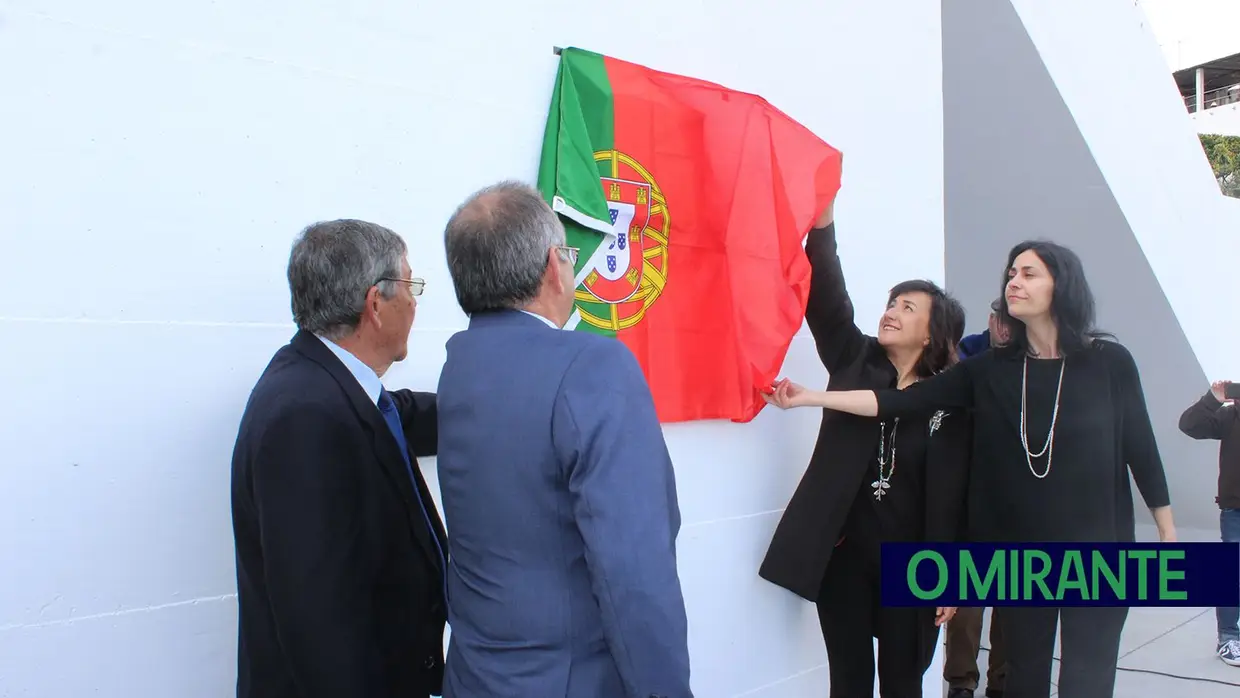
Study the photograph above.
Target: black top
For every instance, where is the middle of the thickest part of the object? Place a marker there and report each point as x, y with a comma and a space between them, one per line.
1102, 431
840, 467
1208, 419
899, 515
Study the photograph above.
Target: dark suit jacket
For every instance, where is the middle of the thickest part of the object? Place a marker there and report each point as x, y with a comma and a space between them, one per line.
812, 523
338, 579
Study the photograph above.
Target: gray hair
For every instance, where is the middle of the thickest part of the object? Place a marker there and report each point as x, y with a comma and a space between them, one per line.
331, 268
497, 244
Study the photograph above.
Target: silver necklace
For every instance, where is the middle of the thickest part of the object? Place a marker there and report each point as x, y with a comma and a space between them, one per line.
883, 483
1049, 447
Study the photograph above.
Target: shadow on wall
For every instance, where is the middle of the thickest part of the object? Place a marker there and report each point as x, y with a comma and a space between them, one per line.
1017, 167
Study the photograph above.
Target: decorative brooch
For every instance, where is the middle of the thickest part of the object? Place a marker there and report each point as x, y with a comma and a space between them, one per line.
936, 421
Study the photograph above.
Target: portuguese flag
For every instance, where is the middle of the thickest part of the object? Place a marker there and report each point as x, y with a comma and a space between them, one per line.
689, 203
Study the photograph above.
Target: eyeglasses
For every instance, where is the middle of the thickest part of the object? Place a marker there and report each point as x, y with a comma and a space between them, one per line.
415, 285
570, 252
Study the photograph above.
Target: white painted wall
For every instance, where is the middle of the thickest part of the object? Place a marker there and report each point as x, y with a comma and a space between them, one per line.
1224, 120
158, 159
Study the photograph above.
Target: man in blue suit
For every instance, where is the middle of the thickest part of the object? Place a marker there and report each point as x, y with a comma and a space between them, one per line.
557, 487
995, 334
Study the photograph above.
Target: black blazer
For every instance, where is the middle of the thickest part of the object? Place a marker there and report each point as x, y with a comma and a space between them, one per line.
812, 523
338, 579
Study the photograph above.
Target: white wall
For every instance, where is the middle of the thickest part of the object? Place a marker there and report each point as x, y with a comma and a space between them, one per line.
1224, 120
158, 159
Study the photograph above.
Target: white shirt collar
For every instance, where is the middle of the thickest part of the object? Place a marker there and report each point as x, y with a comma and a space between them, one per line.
545, 321
365, 375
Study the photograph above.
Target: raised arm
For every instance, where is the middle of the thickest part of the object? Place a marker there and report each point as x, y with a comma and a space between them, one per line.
624, 502
1205, 418
419, 415
952, 388
829, 310
1140, 448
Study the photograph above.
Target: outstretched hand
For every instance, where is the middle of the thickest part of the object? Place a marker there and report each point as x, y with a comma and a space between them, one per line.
785, 394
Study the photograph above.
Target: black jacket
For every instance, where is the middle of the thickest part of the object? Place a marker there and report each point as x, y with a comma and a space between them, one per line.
339, 582
814, 518
1208, 419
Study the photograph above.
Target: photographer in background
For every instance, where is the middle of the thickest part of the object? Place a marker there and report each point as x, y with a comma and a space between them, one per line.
1214, 416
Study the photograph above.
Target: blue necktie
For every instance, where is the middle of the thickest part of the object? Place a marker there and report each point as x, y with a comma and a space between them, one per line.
388, 408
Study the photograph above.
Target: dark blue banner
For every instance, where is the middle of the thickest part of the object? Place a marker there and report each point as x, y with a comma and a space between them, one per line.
1061, 574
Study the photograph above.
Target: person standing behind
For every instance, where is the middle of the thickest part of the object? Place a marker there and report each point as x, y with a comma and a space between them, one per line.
964, 642
556, 482
964, 630
339, 549
995, 334
869, 481
1214, 417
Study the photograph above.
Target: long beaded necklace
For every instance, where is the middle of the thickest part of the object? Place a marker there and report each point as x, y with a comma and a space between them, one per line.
883, 483
1049, 447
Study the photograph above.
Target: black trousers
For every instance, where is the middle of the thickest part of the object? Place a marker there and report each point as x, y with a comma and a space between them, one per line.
1089, 649
851, 615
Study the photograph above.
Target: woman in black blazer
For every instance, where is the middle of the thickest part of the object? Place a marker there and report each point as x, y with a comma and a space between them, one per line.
872, 480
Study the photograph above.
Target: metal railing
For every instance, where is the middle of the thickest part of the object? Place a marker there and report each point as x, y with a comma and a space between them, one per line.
1214, 98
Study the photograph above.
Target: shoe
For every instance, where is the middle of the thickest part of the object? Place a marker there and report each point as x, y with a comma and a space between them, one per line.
1229, 652
960, 693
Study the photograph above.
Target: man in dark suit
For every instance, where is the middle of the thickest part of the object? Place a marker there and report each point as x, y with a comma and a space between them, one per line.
340, 552
556, 482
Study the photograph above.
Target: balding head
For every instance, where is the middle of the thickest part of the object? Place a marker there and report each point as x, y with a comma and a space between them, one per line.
502, 244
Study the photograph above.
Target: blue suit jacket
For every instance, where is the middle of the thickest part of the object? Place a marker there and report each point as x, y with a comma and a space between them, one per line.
974, 344
560, 499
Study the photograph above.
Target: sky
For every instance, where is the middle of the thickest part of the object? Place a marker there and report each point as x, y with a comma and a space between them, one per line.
1194, 31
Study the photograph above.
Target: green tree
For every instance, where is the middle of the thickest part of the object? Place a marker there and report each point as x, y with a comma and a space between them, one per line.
1224, 155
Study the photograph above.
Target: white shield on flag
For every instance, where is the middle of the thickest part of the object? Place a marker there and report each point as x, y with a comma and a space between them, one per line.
614, 272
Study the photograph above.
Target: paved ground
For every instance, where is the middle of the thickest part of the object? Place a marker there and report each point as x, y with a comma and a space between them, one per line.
1167, 651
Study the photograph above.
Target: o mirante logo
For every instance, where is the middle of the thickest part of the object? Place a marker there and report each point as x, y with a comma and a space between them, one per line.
1061, 574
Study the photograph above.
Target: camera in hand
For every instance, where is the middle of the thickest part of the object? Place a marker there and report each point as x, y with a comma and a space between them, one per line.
1231, 391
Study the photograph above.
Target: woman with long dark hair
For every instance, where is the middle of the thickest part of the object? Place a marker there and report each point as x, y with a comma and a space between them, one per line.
871, 481
1059, 422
